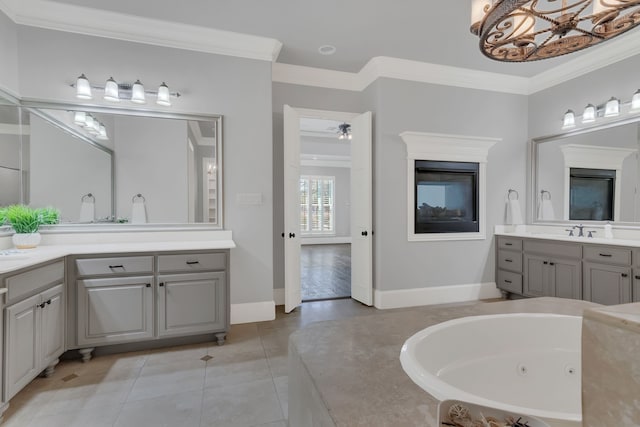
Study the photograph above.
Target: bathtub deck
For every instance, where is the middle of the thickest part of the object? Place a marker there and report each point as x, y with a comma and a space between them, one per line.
348, 372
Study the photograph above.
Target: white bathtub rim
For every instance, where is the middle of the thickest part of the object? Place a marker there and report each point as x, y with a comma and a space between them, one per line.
445, 391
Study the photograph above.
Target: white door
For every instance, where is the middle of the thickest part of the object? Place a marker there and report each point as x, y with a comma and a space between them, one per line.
361, 208
292, 291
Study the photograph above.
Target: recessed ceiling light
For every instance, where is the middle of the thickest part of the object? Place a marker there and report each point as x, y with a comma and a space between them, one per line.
327, 49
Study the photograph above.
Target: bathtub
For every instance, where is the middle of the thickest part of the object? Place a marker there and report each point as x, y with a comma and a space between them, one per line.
526, 364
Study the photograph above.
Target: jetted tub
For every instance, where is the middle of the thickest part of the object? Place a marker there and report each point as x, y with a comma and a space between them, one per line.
526, 364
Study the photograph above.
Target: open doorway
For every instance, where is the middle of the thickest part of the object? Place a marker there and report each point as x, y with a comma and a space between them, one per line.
325, 202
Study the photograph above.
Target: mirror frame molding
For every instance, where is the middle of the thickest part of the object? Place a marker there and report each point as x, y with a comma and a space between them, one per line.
35, 104
532, 164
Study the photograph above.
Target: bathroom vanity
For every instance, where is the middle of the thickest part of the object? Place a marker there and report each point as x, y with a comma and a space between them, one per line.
65, 297
597, 270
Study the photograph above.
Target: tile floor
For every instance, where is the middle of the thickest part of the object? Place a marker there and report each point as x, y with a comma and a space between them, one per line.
240, 384
325, 271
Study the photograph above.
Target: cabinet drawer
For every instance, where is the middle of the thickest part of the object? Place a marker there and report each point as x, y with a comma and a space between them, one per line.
608, 255
565, 250
509, 260
510, 282
509, 243
27, 283
192, 262
119, 265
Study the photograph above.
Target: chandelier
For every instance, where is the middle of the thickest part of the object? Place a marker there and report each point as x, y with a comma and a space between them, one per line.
530, 30
344, 131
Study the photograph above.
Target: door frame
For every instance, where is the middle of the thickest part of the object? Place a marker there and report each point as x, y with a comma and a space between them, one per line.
315, 114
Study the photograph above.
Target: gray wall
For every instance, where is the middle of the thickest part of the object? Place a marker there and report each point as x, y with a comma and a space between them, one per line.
297, 97
64, 168
237, 88
8, 54
408, 106
342, 196
151, 159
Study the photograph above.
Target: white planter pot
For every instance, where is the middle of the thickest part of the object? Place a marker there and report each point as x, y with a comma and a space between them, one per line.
26, 240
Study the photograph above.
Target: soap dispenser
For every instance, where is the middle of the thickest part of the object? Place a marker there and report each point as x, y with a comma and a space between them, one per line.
608, 231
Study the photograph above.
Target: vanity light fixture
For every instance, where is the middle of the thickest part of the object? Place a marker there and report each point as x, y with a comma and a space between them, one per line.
115, 92
90, 125
530, 30
344, 131
610, 109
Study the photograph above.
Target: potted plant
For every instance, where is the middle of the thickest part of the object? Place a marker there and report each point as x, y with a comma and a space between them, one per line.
26, 221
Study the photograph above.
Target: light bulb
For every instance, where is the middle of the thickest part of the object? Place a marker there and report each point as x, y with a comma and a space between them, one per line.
612, 108
569, 120
137, 93
111, 91
164, 97
589, 114
479, 9
80, 118
88, 123
635, 102
102, 134
83, 88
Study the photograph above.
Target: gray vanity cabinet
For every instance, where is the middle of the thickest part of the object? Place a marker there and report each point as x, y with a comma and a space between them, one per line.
34, 325
607, 284
114, 310
552, 269
509, 262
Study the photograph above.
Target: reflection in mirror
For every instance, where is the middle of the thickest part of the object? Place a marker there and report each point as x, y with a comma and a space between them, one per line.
591, 176
171, 163
10, 174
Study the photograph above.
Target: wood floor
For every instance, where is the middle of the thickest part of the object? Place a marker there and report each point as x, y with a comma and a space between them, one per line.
325, 271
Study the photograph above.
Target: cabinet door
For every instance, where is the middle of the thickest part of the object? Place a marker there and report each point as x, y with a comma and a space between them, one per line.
22, 344
566, 278
606, 284
191, 303
536, 272
636, 287
53, 315
115, 310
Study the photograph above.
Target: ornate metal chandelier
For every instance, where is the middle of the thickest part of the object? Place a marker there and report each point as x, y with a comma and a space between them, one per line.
530, 30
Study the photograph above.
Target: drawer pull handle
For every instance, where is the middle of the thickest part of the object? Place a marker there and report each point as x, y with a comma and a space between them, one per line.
606, 255
508, 281
508, 260
193, 262
116, 266
508, 244
624, 274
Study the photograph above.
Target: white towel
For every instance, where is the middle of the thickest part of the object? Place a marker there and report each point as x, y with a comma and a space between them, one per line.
87, 211
545, 210
514, 214
139, 213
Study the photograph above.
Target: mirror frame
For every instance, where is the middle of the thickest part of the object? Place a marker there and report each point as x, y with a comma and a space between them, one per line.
33, 105
533, 166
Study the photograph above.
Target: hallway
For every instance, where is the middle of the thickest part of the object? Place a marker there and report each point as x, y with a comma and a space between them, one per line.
325, 271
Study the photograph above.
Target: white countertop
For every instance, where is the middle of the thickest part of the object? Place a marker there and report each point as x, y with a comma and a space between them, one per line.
634, 243
44, 253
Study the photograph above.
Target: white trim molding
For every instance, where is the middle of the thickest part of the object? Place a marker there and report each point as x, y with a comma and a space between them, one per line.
452, 148
435, 295
594, 157
278, 296
325, 160
101, 23
253, 312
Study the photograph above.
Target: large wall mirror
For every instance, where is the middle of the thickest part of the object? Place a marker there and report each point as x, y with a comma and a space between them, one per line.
129, 167
588, 175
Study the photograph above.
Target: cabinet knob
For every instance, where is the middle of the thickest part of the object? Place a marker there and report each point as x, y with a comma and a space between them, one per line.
148, 285
364, 233
292, 235
42, 305
552, 263
637, 277
49, 302
624, 275
545, 263
161, 284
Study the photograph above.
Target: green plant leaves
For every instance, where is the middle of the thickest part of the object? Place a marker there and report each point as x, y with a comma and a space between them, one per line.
24, 219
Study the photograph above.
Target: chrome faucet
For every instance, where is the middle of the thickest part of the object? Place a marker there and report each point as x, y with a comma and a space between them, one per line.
580, 230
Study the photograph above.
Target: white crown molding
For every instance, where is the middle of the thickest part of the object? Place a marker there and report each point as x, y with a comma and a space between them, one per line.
100, 23
316, 77
598, 57
458, 148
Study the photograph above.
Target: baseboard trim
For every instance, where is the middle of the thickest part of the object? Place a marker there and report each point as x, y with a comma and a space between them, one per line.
253, 312
338, 240
435, 295
278, 296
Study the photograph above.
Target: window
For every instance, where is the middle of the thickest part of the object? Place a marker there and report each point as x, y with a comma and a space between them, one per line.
591, 194
316, 204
